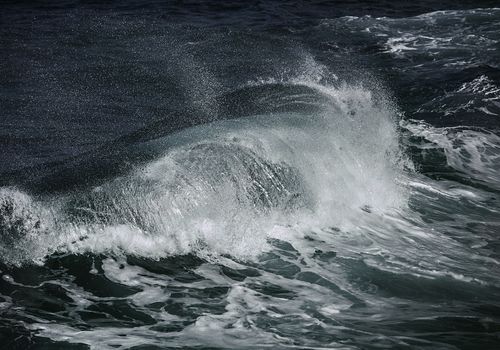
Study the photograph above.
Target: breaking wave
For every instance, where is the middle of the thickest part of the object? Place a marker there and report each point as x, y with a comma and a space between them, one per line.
226, 186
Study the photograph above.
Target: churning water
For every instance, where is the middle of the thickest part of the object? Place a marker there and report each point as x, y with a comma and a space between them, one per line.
239, 178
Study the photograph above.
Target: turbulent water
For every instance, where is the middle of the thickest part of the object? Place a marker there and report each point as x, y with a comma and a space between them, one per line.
248, 176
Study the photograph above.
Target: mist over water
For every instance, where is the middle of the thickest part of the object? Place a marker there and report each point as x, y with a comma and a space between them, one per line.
195, 183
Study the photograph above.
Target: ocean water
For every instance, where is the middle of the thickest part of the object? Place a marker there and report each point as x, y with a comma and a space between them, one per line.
250, 175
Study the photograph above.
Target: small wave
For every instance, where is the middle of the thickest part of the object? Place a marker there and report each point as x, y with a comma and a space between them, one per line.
472, 152
479, 95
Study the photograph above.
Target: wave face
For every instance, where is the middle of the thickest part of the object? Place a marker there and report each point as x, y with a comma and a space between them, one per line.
331, 183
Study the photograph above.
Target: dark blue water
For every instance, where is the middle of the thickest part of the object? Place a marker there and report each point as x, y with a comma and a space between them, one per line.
249, 175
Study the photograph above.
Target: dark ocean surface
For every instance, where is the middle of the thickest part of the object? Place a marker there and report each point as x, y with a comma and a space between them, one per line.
250, 175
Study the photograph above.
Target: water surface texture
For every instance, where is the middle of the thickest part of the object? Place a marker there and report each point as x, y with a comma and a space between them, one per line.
250, 175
